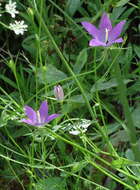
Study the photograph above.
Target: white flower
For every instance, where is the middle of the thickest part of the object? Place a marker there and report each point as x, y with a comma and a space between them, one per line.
78, 127
11, 8
74, 132
18, 27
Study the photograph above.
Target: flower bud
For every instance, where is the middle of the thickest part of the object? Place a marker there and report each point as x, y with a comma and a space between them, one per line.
58, 92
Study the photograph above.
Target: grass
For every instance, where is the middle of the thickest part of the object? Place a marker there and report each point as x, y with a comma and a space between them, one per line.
101, 87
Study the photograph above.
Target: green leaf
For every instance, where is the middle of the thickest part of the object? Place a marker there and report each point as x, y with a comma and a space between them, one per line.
113, 127
20, 132
137, 50
134, 88
100, 85
30, 45
4, 118
50, 74
122, 3
70, 107
129, 154
120, 136
79, 98
80, 62
73, 6
126, 14
117, 11
8, 81
51, 183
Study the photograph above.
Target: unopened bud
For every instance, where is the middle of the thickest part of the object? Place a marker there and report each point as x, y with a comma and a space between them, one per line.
58, 92
30, 11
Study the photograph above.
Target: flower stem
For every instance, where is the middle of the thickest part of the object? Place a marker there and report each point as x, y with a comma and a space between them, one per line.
104, 130
76, 80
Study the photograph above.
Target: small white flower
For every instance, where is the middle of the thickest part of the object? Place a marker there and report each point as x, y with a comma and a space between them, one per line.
18, 27
74, 132
11, 8
77, 127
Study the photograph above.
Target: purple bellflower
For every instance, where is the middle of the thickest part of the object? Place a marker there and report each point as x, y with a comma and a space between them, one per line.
105, 35
58, 92
40, 117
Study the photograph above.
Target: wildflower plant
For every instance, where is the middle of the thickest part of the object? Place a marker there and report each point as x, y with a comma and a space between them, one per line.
105, 35
78, 127
58, 92
19, 27
40, 117
94, 143
11, 8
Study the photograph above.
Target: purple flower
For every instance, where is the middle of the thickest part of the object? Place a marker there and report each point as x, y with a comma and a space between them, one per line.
106, 35
40, 117
58, 92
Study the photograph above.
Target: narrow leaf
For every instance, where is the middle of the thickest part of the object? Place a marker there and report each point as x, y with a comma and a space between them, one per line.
80, 62
122, 3
73, 6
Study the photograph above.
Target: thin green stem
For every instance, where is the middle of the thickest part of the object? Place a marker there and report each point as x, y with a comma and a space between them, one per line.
95, 156
14, 142
103, 129
10, 98
111, 175
66, 63
71, 72
51, 167
82, 149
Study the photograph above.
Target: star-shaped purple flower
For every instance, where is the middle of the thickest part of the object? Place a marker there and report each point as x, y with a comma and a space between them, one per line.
40, 117
105, 35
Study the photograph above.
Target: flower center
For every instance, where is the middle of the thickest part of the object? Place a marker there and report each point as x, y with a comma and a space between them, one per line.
38, 117
106, 35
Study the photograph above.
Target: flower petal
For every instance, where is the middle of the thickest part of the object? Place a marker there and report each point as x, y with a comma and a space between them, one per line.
101, 35
116, 31
105, 22
28, 121
95, 42
119, 40
51, 117
30, 113
90, 28
43, 110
